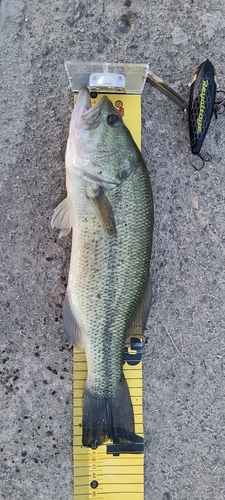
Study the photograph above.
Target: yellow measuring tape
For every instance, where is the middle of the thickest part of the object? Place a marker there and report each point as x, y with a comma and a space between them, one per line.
112, 471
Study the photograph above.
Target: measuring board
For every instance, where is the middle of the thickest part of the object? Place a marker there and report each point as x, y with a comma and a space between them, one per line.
110, 472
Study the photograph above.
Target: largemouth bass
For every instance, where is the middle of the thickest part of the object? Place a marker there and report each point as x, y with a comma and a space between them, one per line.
109, 207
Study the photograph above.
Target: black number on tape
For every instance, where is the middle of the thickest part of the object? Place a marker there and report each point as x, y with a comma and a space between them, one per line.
133, 359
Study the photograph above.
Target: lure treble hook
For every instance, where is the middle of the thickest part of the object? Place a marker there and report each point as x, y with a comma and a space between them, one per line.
205, 157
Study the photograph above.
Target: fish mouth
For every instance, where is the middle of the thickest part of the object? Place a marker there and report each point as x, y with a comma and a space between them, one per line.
88, 116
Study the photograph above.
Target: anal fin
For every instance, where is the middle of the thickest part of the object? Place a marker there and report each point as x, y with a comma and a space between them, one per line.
138, 323
73, 333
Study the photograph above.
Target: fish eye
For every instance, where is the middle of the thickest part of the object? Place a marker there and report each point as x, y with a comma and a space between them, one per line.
113, 120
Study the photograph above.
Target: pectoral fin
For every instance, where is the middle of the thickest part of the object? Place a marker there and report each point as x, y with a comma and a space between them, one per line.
62, 218
139, 321
102, 208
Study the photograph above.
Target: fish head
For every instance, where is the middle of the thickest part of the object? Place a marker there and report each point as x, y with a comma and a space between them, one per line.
98, 134
98, 125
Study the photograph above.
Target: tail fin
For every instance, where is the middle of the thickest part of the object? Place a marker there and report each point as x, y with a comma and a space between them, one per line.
108, 417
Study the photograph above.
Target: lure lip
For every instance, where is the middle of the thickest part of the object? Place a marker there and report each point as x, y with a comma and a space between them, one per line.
164, 88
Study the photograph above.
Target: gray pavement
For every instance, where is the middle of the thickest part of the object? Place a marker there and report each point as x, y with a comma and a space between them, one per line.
184, 404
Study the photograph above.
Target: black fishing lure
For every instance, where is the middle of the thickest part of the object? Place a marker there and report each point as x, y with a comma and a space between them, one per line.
201, 104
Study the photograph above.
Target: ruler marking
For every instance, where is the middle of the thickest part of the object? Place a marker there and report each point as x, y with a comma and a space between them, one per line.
110, 473
101, 476
108, 483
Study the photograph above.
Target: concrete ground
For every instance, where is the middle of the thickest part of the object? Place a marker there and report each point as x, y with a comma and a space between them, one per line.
184, 403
